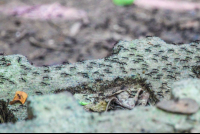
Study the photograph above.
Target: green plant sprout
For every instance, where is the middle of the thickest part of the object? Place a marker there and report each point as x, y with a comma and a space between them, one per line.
83, 103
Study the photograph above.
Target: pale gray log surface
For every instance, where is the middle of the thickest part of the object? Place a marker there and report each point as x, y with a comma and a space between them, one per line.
161, 64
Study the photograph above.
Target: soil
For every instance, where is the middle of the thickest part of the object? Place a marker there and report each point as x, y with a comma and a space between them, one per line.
55, 42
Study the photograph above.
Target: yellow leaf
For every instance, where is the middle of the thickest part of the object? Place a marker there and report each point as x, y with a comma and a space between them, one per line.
20, 96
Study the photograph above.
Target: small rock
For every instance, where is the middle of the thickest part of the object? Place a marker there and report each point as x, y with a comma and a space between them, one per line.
182, 106
75, 29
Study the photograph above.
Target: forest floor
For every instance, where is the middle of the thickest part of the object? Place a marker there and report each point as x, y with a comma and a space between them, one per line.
89, 31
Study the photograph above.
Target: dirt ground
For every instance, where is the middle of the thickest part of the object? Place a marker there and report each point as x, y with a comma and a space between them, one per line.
54, 42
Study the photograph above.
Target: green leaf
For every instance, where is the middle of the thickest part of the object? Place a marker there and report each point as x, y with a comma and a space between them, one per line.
123, 2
